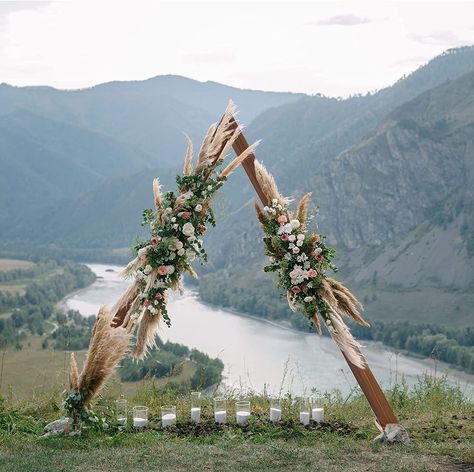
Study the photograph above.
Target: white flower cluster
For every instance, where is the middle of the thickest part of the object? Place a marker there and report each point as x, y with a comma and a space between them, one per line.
273, 209
289, 227
299, 274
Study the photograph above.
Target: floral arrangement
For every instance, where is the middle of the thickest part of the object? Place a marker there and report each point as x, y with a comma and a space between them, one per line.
300, 260
176, 227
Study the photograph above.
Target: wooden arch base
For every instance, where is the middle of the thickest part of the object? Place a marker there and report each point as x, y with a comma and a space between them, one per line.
367, 382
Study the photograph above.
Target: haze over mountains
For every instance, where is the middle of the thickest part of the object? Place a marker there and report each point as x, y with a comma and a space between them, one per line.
392, 173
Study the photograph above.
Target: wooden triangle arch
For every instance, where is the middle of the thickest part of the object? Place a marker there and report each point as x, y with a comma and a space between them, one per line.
366, 380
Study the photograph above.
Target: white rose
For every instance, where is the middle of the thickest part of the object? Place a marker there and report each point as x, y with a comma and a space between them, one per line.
209, 188
295, 224
300, 236
173, 220
291, 245
308, 299
170, 269
147, 269
198, 207
291, 238
169, 210
318, 251
181, 252
179, 244
306, 265
299, 243
190, 254
296, 250
188, 229
142, 252
172, 256
266, 209
274, 201
175, 226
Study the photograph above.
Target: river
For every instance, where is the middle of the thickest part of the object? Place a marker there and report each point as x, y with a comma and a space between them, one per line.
259, 355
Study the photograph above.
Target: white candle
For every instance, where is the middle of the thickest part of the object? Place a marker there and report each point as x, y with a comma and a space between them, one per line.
318, 414
140, 422
196, 415
168, 420
242, 417
220, 416
304, 417
122, 420
275, 415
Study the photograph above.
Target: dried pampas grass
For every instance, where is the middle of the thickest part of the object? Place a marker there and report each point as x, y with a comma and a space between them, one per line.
107, 347
73, 373
302, 208
268, 185
262, 217
346, 342
239, 159
146, 334
188, 166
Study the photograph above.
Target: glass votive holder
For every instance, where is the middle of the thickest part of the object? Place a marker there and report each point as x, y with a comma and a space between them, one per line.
121, 409
275, 410
168, 416
317, 411
242, 412
220, 410
196, 407
304, 411
140, 416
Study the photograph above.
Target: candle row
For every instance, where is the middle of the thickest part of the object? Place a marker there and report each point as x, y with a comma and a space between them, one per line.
242, 412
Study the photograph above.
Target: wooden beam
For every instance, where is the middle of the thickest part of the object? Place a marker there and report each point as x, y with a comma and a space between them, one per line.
369, 385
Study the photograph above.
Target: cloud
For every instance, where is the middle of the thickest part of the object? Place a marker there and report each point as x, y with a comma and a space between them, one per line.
439, 37
7, 7
212, 57
411, 60
341, 20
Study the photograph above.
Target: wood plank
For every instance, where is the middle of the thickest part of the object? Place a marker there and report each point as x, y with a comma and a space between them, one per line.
369, 385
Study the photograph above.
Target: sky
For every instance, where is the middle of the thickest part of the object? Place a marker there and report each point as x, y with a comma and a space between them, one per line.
333, 48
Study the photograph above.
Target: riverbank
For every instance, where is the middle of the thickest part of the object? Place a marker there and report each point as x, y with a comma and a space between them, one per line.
259, 354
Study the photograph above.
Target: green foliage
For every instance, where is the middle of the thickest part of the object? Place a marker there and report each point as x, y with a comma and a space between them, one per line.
166, 361
54, 280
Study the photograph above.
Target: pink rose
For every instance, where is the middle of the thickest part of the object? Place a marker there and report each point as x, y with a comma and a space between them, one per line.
158, 296
312, 273
282, 219
202, 229
284, 237
182, 190
319, 258
186, 215
155, 240
147, 303
162, 270
295, 289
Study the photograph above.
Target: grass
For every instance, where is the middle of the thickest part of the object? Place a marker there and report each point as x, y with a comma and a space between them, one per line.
32, 371
437, 416
10, 264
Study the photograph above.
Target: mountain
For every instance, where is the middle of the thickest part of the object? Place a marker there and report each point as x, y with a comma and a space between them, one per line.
43, 160
399, 207
150, 115
391, 172
58, 144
